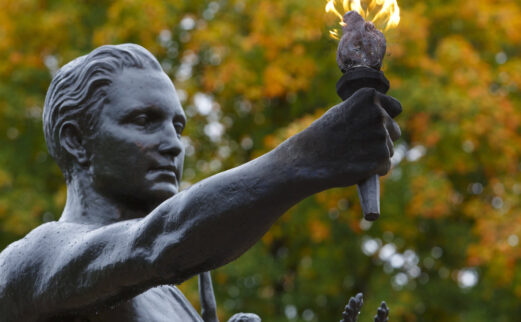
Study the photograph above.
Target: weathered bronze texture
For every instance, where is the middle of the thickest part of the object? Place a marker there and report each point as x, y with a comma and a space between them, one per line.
113, 122
361, 44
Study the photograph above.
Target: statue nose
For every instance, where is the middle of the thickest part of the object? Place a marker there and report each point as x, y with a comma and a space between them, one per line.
171, 143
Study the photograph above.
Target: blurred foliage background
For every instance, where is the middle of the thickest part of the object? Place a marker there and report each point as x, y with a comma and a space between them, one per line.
252, 73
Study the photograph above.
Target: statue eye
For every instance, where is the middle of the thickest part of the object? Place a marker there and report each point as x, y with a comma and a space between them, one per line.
140, 120
179, 127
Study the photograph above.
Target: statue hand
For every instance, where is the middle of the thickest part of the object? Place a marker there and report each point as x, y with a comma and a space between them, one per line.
351, 141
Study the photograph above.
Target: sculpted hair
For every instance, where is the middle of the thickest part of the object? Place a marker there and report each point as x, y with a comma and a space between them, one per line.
78, 92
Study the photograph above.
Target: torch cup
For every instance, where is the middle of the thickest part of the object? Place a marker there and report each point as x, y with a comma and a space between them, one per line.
360, 55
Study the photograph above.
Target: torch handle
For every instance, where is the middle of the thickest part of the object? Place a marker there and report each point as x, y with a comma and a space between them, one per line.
352, 80
369, 194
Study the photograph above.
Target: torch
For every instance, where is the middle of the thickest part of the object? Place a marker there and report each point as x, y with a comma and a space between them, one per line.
360, 55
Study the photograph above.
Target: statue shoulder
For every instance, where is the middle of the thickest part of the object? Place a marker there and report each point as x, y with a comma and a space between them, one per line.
22, 263
37, 270
40, 242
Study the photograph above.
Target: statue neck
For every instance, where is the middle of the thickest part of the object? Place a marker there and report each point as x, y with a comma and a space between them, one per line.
85, 205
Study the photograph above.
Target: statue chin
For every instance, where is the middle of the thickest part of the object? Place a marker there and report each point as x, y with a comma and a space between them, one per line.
159, 195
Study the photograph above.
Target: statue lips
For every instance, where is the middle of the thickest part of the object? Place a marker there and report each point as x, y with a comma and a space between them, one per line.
168, 172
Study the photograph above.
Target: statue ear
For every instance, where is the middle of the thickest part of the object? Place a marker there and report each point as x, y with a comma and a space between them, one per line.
72, 141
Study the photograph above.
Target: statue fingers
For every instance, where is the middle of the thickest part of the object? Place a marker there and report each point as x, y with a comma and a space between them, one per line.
392, 106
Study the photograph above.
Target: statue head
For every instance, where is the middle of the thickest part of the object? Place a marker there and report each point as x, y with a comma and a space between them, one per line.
78, 92
114, 116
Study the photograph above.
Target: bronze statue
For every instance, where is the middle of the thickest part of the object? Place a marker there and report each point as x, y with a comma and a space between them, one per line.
113, 123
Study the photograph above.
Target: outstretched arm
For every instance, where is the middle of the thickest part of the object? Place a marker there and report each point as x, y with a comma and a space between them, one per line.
221, 217
68, 267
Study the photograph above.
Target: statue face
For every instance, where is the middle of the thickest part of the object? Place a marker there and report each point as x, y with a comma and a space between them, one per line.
136, 154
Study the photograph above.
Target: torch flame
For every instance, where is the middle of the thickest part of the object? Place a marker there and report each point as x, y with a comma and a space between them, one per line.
384, 13
330, 7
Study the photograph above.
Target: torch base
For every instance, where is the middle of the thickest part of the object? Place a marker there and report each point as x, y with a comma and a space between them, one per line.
359, 77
